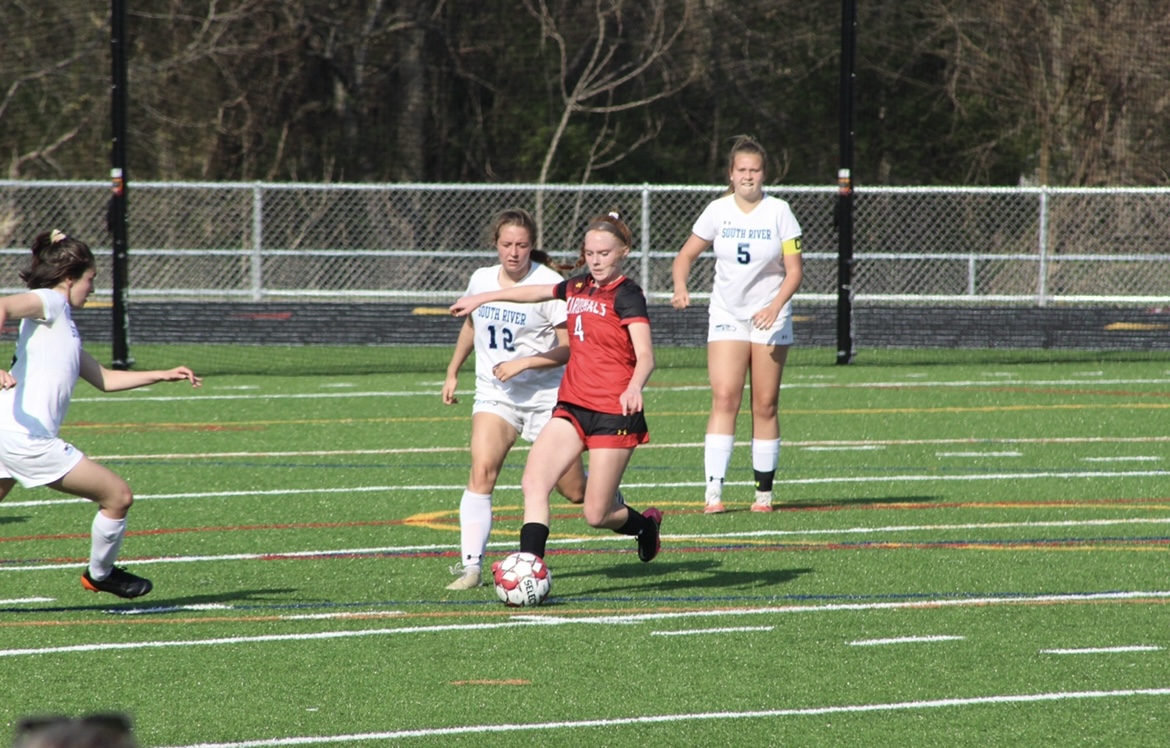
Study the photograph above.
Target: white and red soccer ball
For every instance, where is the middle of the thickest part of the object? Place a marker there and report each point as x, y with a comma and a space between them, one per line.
522, 580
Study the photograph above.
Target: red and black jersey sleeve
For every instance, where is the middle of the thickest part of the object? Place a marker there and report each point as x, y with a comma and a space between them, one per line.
630, 303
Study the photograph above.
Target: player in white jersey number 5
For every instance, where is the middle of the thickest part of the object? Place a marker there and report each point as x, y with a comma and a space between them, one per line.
758, 268
35, 395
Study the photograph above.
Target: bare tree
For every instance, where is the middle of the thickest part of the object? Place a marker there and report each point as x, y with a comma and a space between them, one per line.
47, 107
623, 62
1074, 74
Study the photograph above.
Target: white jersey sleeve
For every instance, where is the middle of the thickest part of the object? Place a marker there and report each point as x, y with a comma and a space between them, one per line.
506, 330
749, 250
46, 367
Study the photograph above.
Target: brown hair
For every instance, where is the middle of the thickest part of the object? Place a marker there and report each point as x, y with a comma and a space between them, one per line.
523, 219
55, 258
745, 144
612, 222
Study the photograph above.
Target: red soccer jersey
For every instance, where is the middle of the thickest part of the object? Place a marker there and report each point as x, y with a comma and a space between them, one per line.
601, 354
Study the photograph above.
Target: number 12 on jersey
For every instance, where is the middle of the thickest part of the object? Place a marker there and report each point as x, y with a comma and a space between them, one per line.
505, 338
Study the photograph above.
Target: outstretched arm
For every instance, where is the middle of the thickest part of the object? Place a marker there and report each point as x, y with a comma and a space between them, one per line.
116, 380
22, 305
518, 294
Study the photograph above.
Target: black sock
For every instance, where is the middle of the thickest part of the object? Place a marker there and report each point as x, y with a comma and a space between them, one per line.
764, 479
634, 524
533, 536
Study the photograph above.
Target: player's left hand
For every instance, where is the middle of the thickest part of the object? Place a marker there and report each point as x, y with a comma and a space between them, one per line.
7, 381
180, 373
505, 370
765, 318
631, 401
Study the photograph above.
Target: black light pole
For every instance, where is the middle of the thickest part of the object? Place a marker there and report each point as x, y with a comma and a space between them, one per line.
116, 218
845, 187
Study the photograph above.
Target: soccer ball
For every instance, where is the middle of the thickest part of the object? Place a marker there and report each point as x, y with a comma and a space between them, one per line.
522, 580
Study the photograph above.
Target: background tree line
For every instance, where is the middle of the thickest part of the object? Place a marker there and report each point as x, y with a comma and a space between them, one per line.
1058, 92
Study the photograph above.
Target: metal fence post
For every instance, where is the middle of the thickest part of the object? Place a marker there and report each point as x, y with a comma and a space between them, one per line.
257, 241
645, 281
1042, 281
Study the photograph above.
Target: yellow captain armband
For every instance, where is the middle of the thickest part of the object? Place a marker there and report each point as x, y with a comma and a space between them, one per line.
791, 247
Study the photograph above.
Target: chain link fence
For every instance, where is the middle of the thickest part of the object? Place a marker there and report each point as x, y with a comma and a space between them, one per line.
420, 242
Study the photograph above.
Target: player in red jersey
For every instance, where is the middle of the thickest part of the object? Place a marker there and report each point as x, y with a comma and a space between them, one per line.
599, 406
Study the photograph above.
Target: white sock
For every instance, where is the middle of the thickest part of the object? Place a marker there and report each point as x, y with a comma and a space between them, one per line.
105, 541
717, 456
765, 455
475, 525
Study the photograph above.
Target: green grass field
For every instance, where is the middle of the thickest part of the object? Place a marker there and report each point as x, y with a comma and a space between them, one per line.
967, 555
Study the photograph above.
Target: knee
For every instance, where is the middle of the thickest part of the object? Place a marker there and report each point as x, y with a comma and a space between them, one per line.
483, 478
595, 518
119, 500
725, 402
597, 515
765, 411
532, 485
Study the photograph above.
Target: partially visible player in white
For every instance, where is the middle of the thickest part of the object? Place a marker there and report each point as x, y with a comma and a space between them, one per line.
35, 396
758, 268
520, 353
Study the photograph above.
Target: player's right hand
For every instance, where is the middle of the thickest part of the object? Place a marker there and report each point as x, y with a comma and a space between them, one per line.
681, 299
449, 391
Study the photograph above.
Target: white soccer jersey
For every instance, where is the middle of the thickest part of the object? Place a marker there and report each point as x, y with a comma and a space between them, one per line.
47, 363
749, 249
505, 330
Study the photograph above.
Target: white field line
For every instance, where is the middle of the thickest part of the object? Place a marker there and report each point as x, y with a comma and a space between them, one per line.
553, 619
1135, 458
25, 600
700, 632
300, 617
603, 539
813, 445
829, 445
978, 454
928, 528
666, 388
1066, 474
694, 717
1102, 650
905, 640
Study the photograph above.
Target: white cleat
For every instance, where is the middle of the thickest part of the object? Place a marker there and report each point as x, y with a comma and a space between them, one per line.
470, 577
763, 502
714, 499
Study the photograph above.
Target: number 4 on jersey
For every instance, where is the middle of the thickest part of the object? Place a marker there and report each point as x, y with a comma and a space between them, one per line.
579, 329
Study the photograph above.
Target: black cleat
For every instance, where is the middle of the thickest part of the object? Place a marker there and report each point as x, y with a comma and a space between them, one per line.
650, 541
120, 582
